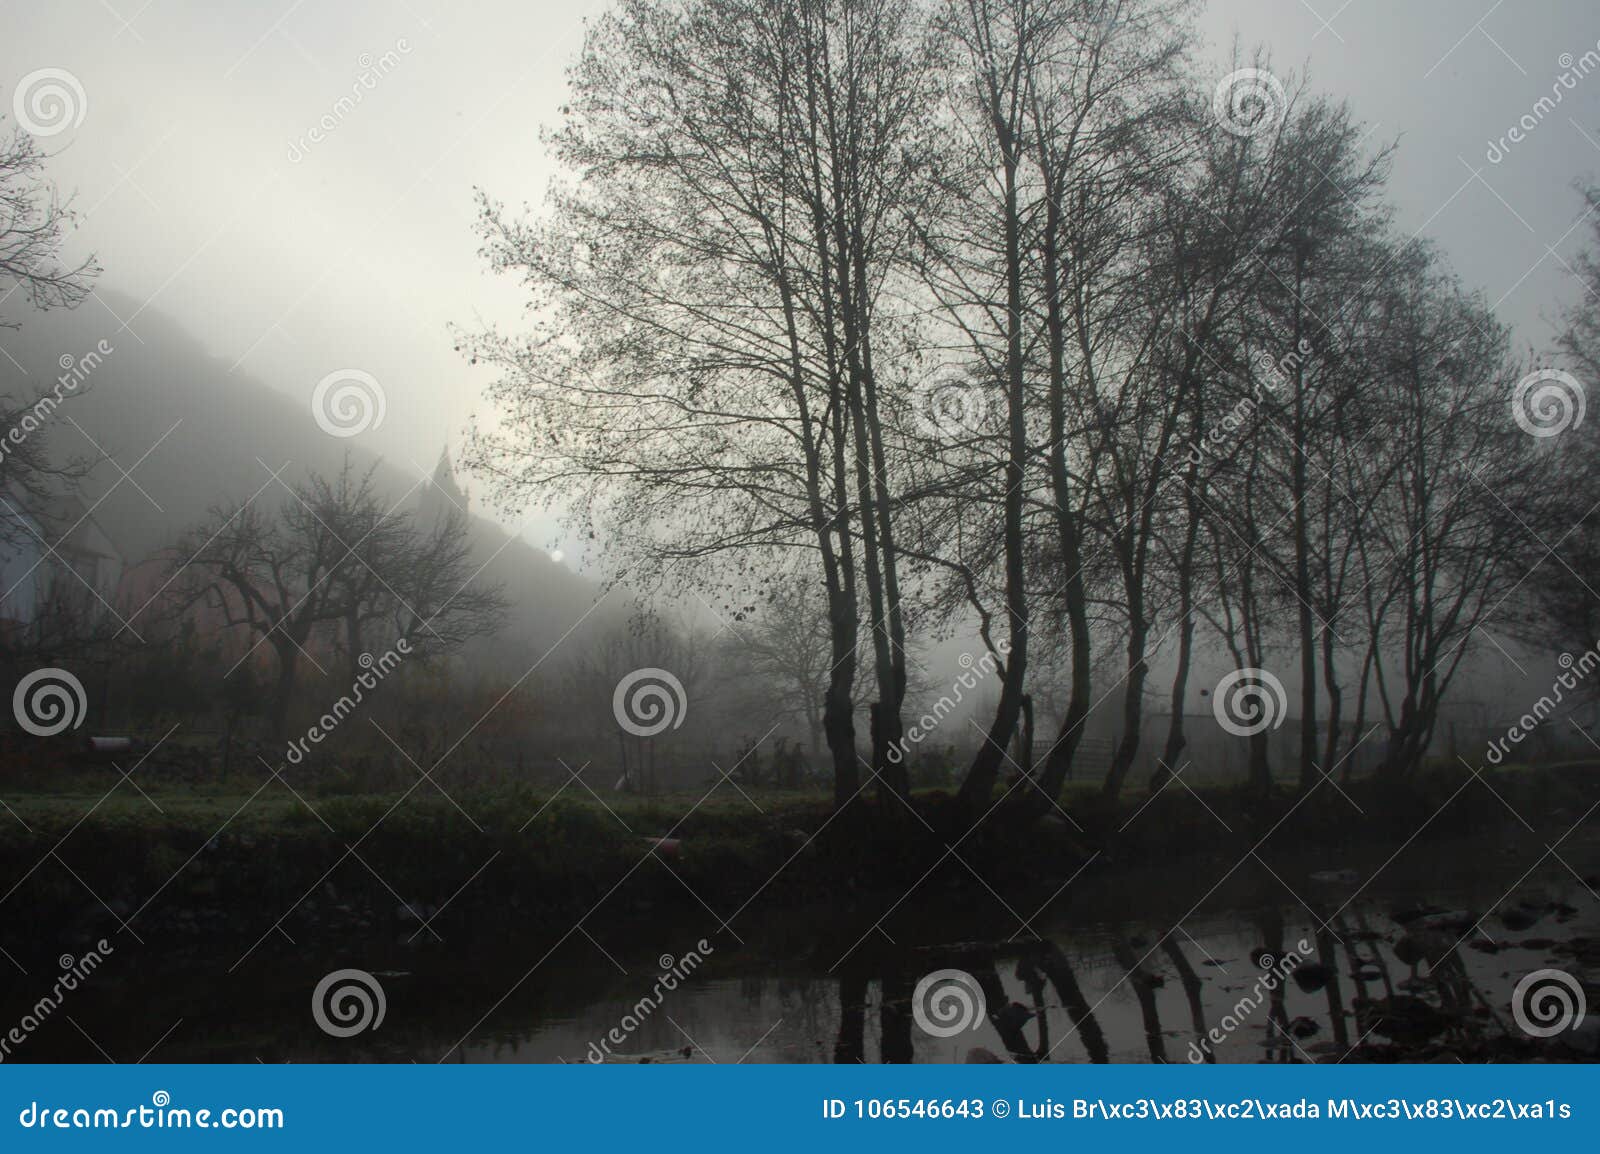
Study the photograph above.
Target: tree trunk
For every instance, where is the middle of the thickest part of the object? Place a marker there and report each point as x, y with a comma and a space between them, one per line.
1132, 708
838, 709
979, 785
1058, 762
1359, 726
851, 1045
1302, 557
1335, 692
1025, 754
283, 693
1176, 741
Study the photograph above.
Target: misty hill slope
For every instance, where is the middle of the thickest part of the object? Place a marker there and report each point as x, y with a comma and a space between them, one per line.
209, 437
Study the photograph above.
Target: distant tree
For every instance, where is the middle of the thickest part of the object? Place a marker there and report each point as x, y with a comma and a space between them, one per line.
780, 654
331, 561
1436, 559
617, 686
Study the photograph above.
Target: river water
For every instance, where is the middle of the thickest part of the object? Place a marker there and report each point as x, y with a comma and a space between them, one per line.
1410, 953
1410, 957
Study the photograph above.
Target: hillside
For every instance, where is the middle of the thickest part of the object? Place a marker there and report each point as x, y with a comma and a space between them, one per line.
193, 435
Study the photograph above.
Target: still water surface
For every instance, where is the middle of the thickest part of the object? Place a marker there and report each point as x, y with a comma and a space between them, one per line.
1395, 962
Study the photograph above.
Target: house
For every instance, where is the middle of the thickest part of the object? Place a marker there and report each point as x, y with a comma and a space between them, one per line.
54, 557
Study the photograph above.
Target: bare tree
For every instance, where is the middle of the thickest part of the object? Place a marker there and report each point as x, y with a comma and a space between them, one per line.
1438, 562
34, 219
710, 388
646, 641
329, 563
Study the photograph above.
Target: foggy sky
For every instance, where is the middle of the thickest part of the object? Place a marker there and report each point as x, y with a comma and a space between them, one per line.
360, 252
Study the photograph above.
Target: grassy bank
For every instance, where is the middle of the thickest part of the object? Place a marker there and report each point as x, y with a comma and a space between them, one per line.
183, 865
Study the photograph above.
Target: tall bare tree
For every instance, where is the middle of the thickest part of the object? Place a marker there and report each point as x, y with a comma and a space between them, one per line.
710, 384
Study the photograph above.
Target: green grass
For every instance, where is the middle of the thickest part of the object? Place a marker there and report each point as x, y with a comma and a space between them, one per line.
101, 798
240, 843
